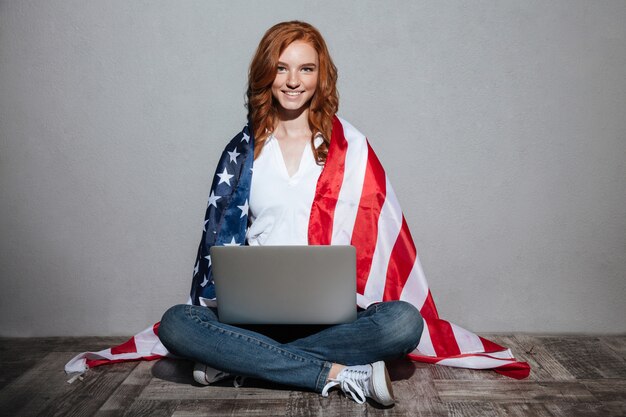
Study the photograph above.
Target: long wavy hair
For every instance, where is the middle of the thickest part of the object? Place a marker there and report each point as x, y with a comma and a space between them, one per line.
263, 108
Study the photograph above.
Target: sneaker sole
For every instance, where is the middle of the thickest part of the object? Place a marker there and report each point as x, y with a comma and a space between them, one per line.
382, 384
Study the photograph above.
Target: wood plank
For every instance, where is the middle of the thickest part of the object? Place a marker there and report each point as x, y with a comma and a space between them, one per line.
414, 397
417, 396
512, 391
18, 355
150, 408
472, 409
525, 410
231, 408
488, 409
313, 404
23, 396
44, 388
11, 366
594, 409
607, 390
413, 389
544, 366
586, 357
89, 394
127, 391
616, 343
17, 358
572, 376
166, 390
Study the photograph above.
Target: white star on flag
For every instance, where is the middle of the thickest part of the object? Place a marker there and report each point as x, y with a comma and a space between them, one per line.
246, 137
205, 225
213, 199
225, 177
233, 155
232, 243
195, 268
205, 282
244, 209
208, 258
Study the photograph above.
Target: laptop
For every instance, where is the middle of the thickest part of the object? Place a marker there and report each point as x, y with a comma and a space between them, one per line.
285, 284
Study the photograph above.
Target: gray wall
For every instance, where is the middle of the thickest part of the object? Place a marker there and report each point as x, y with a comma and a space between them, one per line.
501, 123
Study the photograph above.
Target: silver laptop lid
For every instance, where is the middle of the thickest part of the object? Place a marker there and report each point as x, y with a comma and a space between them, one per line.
285, 284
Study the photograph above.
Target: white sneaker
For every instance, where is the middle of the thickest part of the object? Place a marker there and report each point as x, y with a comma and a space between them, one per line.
362, 381
205, 375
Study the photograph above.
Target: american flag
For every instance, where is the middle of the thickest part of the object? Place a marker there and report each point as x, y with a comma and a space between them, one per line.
354, 204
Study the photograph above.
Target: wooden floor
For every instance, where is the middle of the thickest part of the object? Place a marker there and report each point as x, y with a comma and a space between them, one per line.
571, 376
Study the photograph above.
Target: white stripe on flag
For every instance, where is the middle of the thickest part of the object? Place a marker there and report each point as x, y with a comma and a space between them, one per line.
474, 362
425, 346
503, 354
468, 342
389, 225
415, 289
146, 340
352, 185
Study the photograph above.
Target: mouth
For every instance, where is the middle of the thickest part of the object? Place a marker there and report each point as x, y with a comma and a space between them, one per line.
293, 93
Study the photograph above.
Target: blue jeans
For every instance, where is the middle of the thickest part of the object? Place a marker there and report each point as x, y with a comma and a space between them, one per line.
383, 331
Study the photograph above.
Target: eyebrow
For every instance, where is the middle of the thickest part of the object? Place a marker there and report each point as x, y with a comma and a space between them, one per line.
303, 65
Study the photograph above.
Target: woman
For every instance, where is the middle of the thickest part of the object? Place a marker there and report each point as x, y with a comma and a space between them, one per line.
292, 101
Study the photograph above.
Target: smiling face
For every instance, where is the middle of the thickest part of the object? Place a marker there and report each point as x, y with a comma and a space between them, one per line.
296, 77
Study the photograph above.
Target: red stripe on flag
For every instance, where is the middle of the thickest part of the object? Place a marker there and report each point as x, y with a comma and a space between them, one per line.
126, 347
327, 188
441, 334
517, 370
401, 263
424, 358
91, 363
490, 346
155, 328
437, 359
365, 232
428, 310
442, 338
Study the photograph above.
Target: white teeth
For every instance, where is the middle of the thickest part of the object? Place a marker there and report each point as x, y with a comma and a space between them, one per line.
293, 93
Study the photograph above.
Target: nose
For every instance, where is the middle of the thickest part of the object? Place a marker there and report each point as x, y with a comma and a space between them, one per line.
293, 81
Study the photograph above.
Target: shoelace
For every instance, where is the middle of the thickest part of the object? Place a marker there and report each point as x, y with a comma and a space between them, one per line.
352, 382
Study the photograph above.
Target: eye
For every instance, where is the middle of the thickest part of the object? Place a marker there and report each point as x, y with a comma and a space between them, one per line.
281, 68
308, 69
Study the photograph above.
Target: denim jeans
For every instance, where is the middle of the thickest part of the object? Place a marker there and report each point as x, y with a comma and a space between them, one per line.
383, 331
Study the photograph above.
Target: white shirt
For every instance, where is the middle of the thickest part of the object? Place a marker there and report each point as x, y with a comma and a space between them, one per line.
280, 205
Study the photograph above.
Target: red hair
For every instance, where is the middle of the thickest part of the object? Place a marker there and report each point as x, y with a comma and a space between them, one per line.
262, 109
